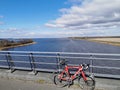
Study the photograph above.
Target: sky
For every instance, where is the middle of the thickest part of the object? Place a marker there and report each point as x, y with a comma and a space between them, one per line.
59, 18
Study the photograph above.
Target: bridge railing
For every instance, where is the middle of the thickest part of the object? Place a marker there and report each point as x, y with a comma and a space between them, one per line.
101, 64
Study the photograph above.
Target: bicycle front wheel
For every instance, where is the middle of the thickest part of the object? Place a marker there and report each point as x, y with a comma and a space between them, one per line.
59, 82
87, 85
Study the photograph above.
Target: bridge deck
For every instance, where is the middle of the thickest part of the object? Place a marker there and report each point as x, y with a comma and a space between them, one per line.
19, 79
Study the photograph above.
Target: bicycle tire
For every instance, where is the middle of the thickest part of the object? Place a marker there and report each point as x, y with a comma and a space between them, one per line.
86, 85
59, 82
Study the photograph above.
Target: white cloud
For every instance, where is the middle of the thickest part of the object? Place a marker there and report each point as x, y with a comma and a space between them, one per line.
25, 33
11, 33
89, 15
12, 29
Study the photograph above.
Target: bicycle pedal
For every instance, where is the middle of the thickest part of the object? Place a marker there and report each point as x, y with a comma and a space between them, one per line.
68, 86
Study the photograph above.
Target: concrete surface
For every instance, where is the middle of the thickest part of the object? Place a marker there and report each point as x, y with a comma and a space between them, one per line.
22, 80
10, 84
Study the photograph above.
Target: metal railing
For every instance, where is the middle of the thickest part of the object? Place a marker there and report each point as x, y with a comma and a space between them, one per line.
101, 64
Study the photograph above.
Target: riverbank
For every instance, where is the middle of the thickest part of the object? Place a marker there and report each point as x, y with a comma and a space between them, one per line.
110, 41
20, 45
115, 41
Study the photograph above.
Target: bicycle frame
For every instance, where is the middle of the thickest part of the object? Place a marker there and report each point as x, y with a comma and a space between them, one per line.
72, 77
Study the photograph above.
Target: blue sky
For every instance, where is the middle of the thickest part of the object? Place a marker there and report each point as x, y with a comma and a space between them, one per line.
59, 18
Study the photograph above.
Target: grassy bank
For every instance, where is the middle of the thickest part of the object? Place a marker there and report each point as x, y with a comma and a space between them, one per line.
8, 47
105, 40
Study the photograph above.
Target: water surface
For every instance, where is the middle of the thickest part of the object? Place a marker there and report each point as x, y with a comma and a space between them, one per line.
67, 45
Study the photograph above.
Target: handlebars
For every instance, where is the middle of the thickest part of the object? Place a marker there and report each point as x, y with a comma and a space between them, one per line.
85, 66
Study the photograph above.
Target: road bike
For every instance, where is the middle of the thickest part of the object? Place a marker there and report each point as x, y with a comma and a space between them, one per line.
66, 78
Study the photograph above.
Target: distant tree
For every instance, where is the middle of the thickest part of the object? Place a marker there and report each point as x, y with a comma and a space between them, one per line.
6, 43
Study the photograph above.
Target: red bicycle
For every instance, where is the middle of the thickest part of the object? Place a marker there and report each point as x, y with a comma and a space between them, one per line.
65, 78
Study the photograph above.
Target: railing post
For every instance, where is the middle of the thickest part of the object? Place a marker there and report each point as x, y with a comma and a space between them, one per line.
58, 62
91, 64
30, 61
32, 64
10, 62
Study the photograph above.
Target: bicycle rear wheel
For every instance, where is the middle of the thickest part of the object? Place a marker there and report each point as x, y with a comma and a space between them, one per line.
59, 82
87, 85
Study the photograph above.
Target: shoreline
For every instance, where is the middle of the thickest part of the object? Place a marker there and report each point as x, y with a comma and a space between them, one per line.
115, 41
105, 42
3, 48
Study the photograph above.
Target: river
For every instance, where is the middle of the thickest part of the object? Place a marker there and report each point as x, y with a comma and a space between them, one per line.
67, 45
